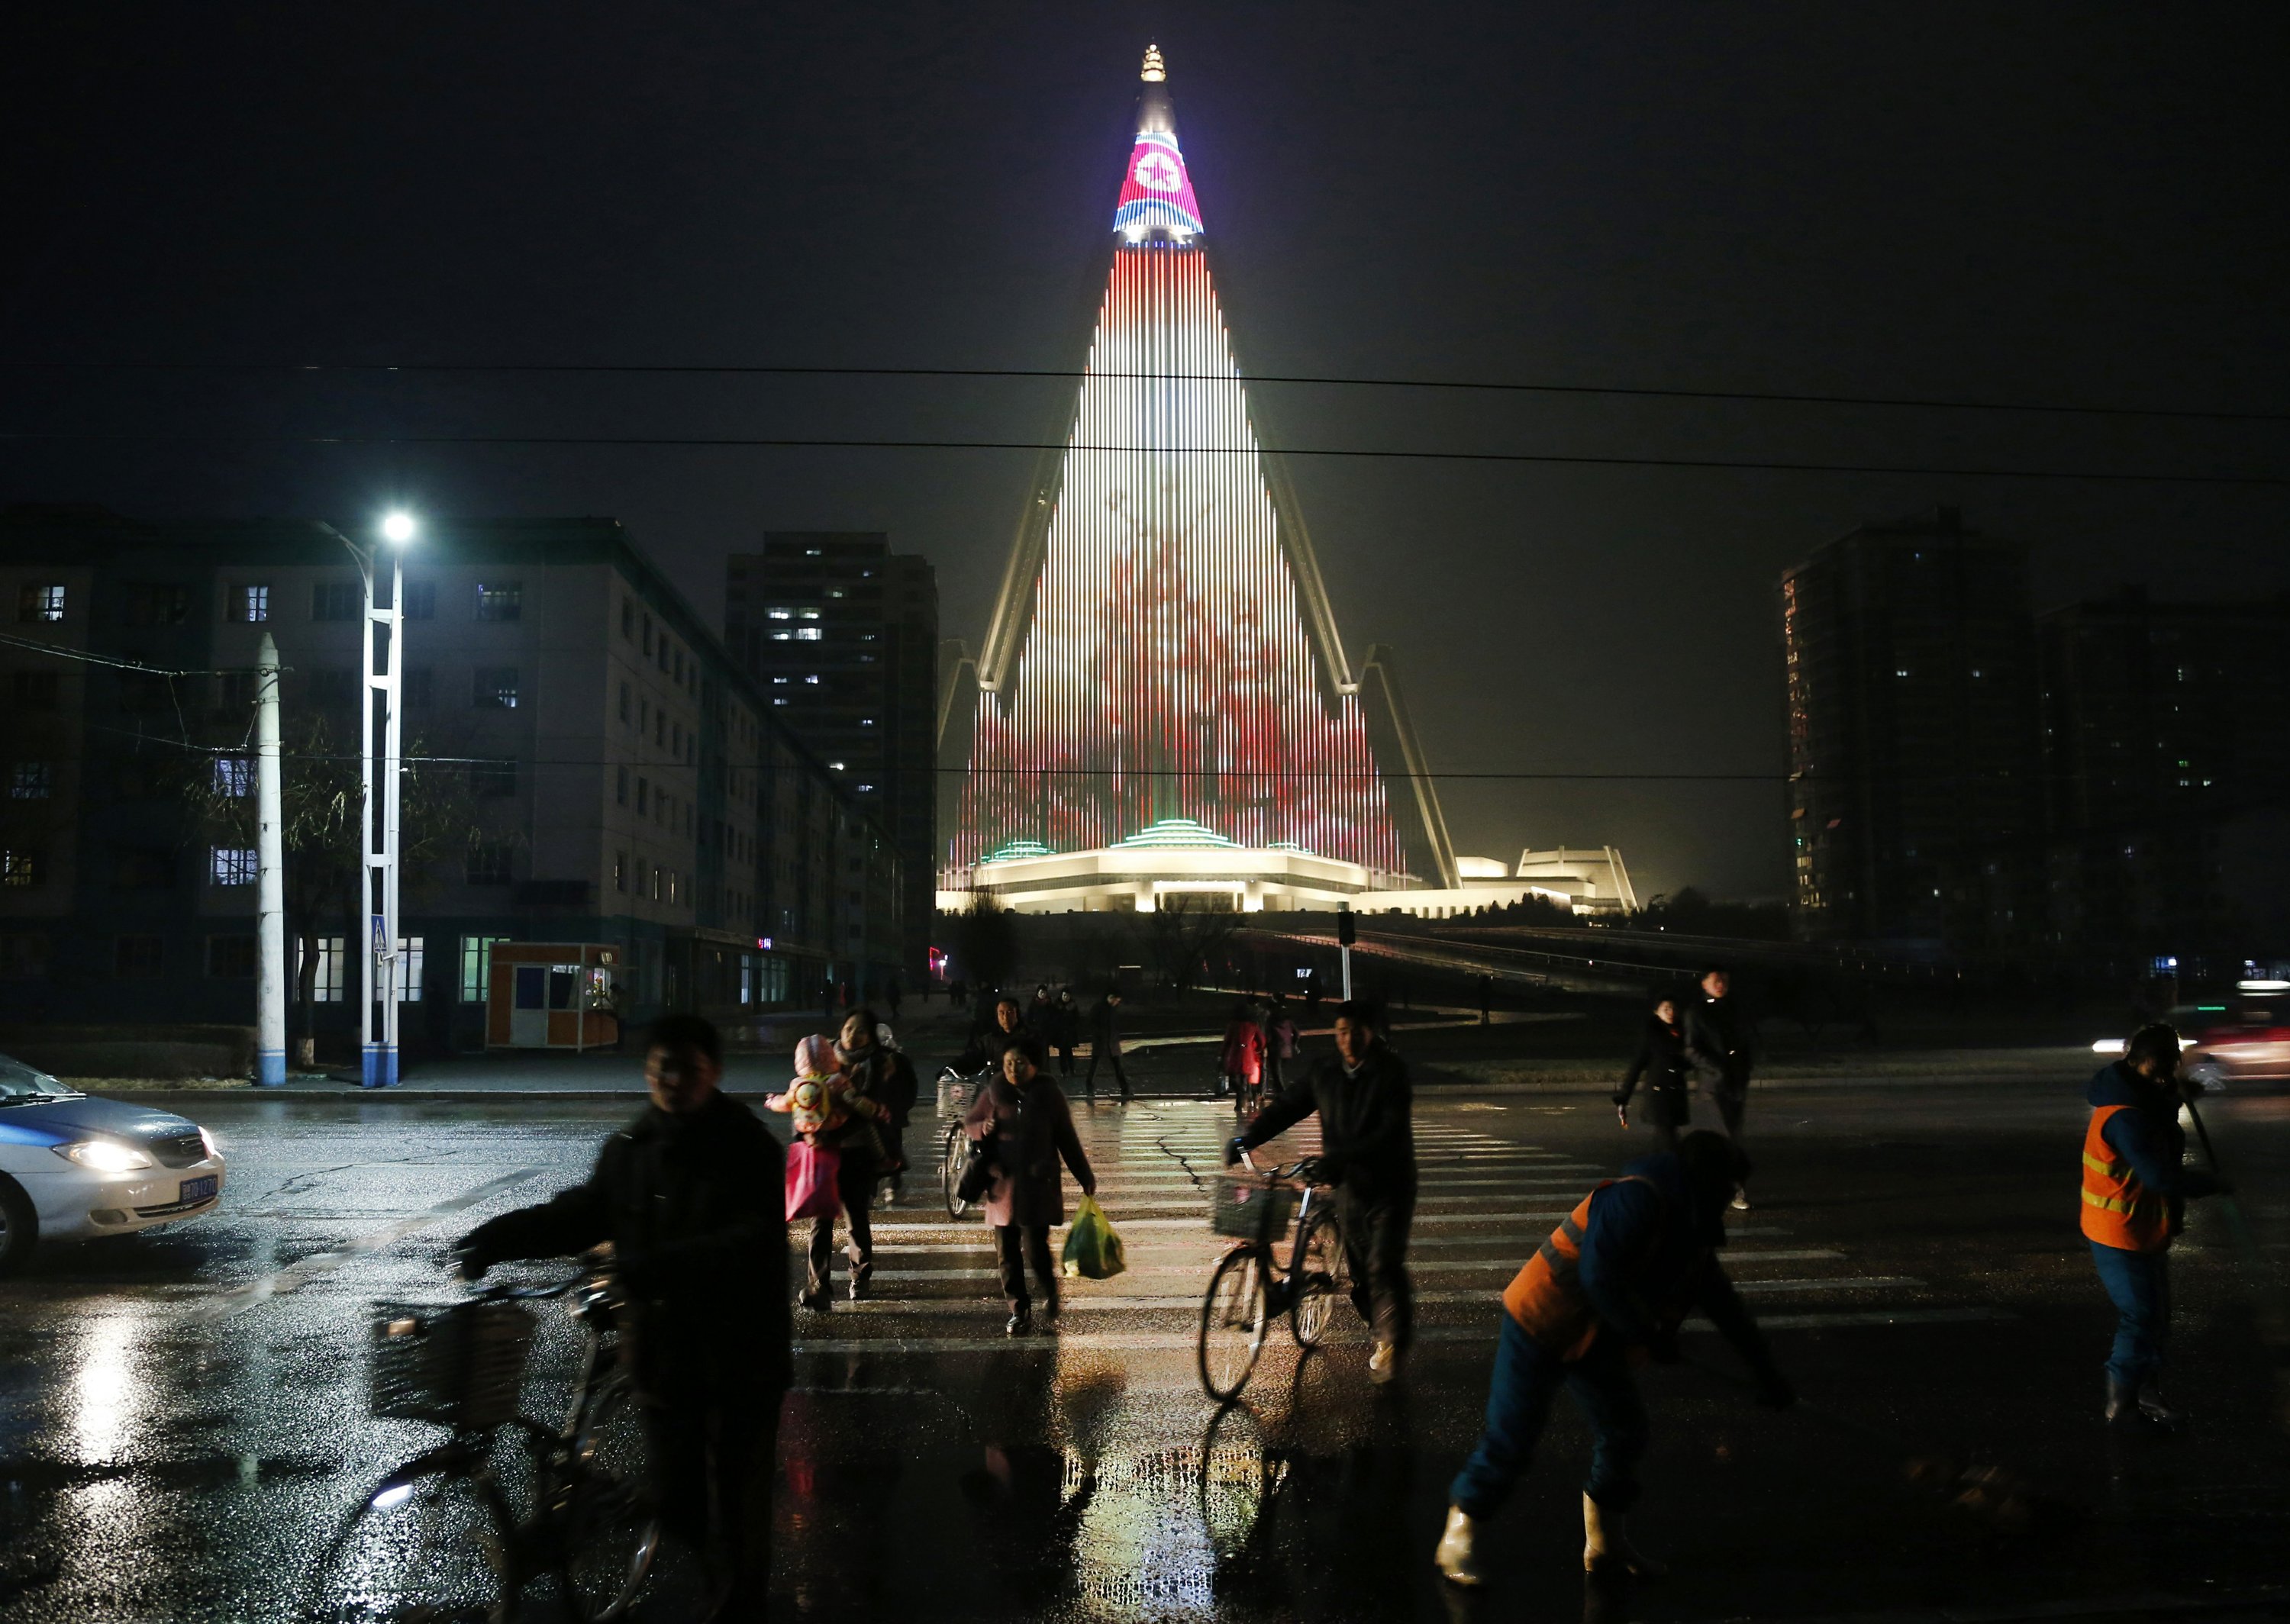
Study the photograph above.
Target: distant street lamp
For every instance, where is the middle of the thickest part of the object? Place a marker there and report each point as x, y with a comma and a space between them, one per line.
379, 822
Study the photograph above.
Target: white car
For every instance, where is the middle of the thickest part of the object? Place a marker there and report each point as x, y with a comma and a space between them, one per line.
73, 1166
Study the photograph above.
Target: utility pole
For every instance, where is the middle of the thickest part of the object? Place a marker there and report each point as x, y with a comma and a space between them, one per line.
270, 884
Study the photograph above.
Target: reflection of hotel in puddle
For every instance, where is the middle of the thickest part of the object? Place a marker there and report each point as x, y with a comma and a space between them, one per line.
1163, 706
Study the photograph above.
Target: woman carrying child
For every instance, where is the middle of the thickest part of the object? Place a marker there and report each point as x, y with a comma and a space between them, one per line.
833, 1116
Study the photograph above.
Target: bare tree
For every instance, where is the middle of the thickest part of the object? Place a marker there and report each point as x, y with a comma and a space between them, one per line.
321, 801
1187, 933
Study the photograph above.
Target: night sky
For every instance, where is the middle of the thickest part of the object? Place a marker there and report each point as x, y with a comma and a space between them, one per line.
2073, 203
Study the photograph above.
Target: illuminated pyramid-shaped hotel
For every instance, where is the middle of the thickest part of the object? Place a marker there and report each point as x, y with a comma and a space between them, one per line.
1162, 707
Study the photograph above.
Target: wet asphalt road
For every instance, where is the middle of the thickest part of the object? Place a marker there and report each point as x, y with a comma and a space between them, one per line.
182, 1416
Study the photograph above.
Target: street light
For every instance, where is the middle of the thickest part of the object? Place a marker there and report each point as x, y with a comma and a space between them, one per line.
378, 864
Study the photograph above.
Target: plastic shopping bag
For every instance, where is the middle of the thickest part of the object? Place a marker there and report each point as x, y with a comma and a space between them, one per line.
811, 1170
1092, 1250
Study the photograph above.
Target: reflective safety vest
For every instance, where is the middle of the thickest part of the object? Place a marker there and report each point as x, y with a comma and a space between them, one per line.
2117, 1209
1546, 1297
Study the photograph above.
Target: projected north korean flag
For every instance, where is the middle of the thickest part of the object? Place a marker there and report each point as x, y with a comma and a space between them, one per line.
1157, 194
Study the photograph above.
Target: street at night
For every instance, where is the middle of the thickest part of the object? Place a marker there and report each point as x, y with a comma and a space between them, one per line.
184, 1413
719, 899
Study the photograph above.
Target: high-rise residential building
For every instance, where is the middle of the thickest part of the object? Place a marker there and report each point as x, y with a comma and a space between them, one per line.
842, 634
588, 765
2166, 757
1915, 800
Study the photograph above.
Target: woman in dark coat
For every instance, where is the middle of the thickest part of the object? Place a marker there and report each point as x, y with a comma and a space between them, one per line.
1022, 1116
1661, 1061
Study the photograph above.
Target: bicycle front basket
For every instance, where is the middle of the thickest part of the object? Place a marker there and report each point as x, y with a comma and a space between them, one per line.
1250, 1210
459, 1364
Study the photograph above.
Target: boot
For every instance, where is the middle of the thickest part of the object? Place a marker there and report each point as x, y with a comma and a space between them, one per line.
1454, 1556
2151, 1406
1607, 1548
2123, 1406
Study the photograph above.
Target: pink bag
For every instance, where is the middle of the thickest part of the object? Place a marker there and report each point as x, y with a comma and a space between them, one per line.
811, 1170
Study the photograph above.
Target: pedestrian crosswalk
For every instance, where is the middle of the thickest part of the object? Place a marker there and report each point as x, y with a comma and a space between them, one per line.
1486, 1201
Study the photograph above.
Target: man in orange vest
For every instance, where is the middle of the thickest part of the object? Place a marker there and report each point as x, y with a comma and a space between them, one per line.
2135, 1187
1608, 1289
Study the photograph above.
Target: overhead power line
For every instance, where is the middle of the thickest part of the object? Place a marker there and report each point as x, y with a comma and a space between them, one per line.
1488, 386
831, 443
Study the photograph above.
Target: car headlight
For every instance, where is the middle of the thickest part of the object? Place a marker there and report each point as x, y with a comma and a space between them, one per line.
208, 1140
105, 1156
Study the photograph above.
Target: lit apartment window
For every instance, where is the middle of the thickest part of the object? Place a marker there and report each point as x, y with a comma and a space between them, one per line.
250, 603
31, 781
326, 985
812, 680
18, 867
231, 865
494, 688
806, 634
234, 777
782, 636
501, 600
477, 966
811, 614
411, 963
40, 604
780, 614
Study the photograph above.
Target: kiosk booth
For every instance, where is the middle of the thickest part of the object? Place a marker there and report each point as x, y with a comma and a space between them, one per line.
552, 995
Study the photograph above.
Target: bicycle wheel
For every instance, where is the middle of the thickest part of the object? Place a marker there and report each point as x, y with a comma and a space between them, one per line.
426, 1545
1322, 1274
957, 1158
1232, 1323
610, 1527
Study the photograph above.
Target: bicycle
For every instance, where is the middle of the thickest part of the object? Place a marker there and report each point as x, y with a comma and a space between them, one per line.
404, 1551
1249, 1287
955, 1093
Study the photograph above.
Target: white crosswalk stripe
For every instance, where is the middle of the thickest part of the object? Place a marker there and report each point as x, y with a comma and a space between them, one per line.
1485, 1204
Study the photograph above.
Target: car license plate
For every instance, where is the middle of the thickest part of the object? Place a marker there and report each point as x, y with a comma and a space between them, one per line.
198, 1190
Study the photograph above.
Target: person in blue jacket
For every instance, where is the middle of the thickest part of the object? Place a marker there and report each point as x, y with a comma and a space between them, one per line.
1606, 1290
2135, 1190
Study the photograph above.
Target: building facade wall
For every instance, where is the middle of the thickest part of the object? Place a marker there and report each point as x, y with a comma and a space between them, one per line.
610, 773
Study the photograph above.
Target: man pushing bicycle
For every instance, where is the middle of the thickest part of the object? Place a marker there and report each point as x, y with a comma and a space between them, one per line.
691, 1194
1367, 1138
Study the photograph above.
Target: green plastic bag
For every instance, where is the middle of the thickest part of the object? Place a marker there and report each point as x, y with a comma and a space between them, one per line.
1092, 1250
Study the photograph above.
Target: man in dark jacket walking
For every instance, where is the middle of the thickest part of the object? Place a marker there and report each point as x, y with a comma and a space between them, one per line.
1722, 1044
1367, 1137
1105, 1044
2135, 1190
690, 1196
